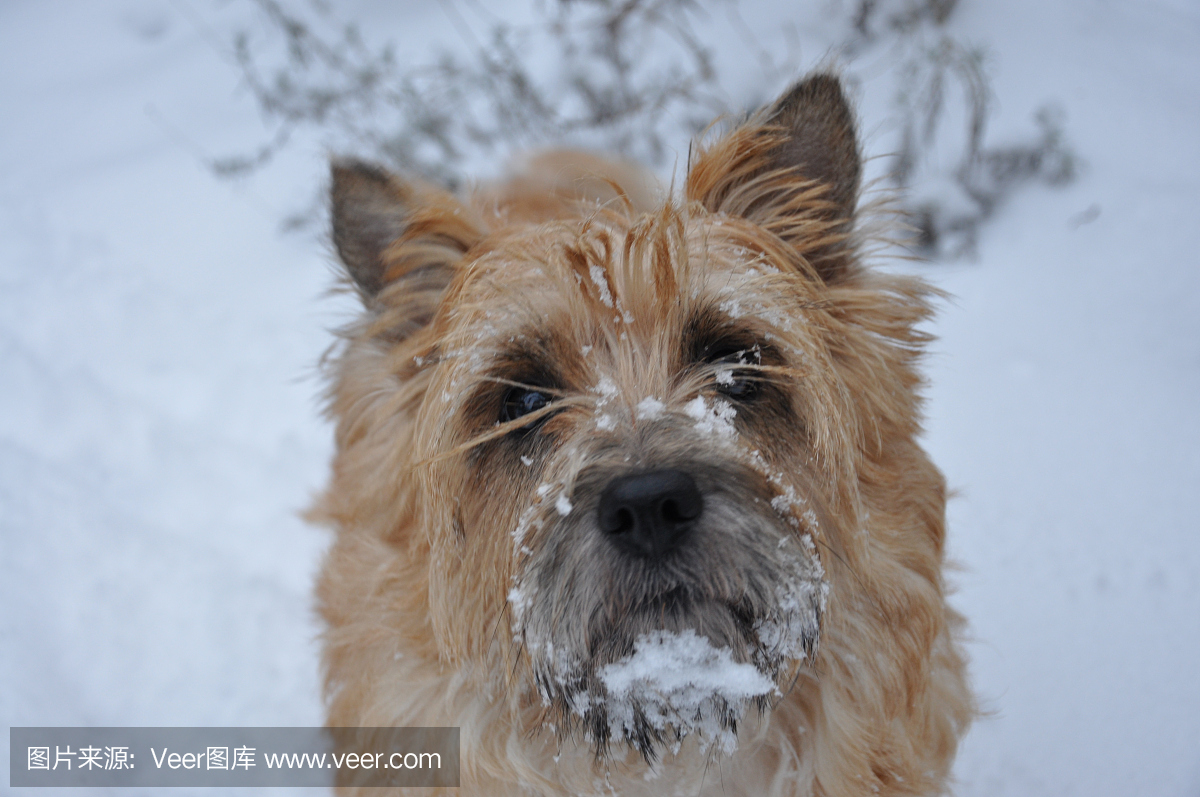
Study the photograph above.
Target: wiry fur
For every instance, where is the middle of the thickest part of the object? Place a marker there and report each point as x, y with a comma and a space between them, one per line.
451, 568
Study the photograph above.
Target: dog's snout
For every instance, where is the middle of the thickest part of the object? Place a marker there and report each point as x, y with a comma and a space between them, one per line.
650, 514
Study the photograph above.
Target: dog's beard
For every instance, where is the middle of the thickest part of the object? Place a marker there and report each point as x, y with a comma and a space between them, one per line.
649, 653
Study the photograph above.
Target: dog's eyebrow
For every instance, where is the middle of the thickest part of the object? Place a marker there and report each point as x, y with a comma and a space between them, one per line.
711, 332
528, 361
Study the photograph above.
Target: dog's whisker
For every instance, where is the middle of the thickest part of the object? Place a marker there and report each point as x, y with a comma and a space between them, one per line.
501, 430
499, 380
837, 555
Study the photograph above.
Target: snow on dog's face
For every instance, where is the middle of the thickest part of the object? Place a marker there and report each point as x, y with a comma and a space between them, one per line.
624, 435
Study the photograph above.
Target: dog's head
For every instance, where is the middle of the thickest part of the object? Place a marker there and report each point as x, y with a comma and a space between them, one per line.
623, 449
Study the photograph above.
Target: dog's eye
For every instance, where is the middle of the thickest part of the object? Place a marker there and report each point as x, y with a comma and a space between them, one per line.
739, 384
520, 401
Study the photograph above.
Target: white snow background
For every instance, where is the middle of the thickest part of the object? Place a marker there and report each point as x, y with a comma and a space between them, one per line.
159, 412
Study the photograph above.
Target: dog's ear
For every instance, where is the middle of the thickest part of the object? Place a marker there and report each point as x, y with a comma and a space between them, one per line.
397, 237
794, 168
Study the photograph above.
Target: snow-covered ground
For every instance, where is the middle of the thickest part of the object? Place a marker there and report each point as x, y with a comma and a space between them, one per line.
159, 410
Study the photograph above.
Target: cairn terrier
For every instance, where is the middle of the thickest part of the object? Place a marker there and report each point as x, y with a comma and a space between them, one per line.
627, 486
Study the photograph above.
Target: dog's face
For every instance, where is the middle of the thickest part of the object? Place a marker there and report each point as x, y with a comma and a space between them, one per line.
620, 452
639, 416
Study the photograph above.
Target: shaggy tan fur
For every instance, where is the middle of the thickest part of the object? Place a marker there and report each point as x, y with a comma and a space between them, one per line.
582, 265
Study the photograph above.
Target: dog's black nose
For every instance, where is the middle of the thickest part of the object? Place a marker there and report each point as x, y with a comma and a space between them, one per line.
650, 514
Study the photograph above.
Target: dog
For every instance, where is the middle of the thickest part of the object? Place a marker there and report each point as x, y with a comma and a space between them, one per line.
627, 487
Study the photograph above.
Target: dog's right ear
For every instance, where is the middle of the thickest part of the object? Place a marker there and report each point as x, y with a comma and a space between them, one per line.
795, 169
390, 232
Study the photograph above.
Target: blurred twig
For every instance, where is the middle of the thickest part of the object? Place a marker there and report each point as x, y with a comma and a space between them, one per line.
632, 77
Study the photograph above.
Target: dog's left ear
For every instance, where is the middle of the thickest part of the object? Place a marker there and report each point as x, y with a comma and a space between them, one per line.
399, 240
794, 169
